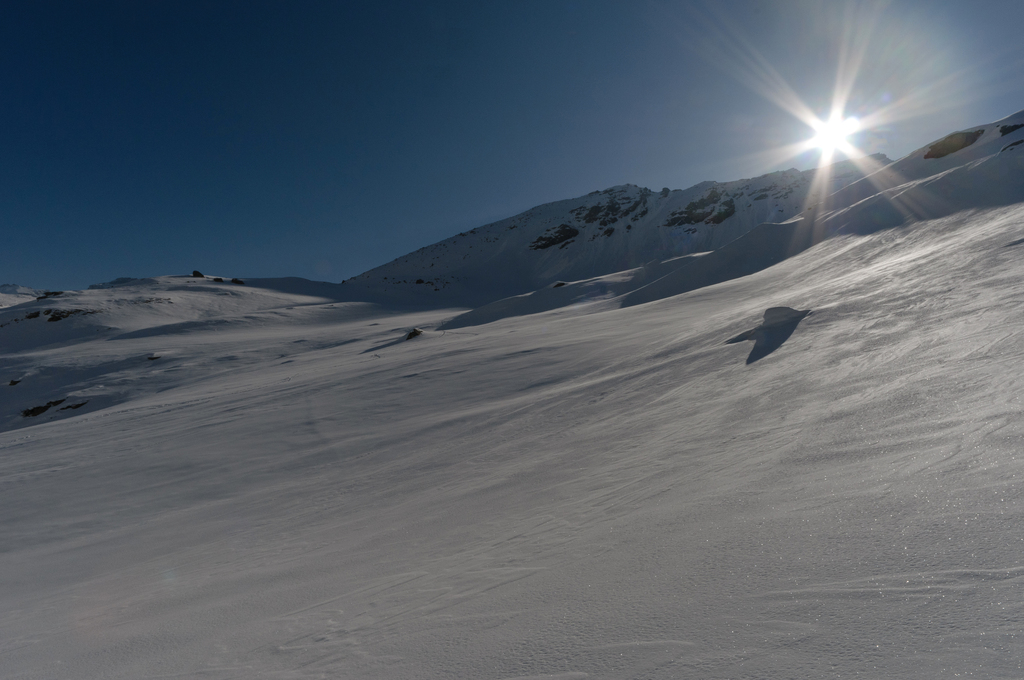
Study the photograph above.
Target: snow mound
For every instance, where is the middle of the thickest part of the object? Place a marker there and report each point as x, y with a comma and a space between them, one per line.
12, 294
779, 323
121, 281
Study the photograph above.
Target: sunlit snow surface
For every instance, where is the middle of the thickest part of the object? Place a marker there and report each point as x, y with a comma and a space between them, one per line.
599, 490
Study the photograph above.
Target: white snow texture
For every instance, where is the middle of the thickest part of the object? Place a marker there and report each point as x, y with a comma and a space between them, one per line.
633, 456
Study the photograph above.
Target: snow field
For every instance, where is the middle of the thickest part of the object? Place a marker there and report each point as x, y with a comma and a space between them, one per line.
292, 491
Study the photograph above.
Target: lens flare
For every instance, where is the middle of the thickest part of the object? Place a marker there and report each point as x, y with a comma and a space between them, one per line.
832, 133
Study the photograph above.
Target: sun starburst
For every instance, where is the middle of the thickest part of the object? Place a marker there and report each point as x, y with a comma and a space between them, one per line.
832, 134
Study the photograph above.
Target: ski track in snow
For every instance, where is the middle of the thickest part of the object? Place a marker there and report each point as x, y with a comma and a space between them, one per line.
597, 491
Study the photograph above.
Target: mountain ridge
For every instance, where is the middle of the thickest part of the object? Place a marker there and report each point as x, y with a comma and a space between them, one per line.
976, 168
600, 233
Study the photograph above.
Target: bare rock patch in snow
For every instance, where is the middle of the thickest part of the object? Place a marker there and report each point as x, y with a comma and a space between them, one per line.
953, 143
58, 314
554, 237
39, 410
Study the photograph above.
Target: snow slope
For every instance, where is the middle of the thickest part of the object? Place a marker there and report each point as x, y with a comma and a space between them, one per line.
970, 148
268, 481
987, 172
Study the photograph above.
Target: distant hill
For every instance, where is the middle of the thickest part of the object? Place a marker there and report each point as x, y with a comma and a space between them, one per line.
12, 294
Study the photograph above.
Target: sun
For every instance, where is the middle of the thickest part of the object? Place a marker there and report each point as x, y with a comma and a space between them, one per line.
832, 133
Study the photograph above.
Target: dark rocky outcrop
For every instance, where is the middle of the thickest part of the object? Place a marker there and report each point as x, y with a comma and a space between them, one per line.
953, 143
1007, 129
39, 410
704, 210
559, 235
725, 211
196, 274
58, 314
51, 314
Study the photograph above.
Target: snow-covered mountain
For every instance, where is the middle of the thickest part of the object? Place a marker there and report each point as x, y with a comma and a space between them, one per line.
628, 227
796, 455
601, 233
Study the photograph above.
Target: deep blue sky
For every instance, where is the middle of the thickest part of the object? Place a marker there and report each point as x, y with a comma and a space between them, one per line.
322, 139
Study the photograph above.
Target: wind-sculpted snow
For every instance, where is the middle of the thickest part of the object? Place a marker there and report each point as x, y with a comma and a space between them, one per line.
206, 479
298, 491
609, 289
